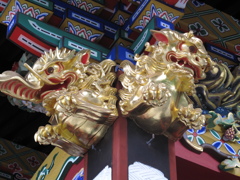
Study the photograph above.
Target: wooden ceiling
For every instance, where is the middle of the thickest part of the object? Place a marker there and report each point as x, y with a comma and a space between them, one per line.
230, 7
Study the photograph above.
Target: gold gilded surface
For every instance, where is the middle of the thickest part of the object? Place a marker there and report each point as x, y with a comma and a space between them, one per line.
78, 96
156, 89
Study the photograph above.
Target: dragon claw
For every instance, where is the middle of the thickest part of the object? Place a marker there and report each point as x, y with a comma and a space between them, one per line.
191, 117
45, 134
156, 94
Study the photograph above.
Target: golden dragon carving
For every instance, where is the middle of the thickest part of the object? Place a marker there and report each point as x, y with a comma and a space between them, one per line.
81, 100
155, 90
77, 94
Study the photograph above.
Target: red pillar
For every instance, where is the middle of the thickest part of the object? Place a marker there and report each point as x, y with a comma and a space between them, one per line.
119, 150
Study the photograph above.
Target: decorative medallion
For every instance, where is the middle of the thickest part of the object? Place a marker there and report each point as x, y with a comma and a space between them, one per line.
221, 26
198, 29
32, 160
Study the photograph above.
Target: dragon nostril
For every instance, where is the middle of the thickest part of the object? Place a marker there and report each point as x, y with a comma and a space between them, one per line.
173, 59
181, 62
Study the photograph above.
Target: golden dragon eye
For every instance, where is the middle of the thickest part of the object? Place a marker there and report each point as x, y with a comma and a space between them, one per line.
50, 70
193, 49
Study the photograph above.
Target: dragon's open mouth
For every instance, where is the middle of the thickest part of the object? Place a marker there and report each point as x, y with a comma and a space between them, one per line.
46, 89
193, 69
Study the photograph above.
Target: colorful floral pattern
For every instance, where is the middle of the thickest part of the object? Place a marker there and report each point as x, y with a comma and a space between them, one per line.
219, 143
155, 12
84, 5
22, 162
14, 167
198, 29
82, 32
33, 161
214, 136
23, 8
201, 138
221, 26
196, 134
